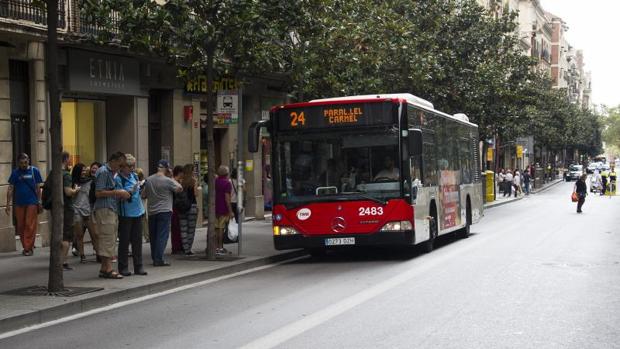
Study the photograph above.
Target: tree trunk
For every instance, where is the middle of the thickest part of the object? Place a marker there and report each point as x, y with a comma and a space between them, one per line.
211, 165
55, 281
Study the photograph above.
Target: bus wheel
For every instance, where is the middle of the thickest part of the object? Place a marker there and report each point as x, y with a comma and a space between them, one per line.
464, 233
429, 244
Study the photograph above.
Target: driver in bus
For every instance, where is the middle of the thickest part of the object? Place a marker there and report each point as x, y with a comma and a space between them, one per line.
389, 172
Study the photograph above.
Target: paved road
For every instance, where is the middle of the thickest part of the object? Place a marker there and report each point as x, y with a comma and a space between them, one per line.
535, 274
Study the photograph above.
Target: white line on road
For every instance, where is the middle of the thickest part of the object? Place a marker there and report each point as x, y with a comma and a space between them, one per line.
141, 299
294, 329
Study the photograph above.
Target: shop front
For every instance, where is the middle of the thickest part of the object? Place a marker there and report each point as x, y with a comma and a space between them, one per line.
103, 107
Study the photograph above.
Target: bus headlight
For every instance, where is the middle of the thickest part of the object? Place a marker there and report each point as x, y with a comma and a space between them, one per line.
397, 226
279, 230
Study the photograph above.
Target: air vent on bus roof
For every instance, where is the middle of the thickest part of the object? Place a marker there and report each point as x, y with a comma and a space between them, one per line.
406, 96
461, 116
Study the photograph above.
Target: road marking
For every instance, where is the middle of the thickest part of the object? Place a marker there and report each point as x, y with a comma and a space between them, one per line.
142, 299
296, 328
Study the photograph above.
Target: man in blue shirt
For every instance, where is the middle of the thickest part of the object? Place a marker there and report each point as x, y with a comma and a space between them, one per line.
106, 213
130, 214
25, 193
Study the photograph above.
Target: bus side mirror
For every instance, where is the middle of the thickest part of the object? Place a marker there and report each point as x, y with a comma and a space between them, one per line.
254, 134
415, 142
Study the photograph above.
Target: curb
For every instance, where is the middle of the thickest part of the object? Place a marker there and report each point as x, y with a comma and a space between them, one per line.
72, 308
545, 188
496, 204
548, 186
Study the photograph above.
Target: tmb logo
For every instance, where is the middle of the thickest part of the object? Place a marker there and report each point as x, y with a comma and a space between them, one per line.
304, 214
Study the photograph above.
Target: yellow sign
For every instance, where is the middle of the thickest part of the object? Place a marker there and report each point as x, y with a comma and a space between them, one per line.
199, 84
519, 151
342, 115
490, 154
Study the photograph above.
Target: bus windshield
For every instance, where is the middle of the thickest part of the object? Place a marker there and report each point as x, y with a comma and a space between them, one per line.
336, 166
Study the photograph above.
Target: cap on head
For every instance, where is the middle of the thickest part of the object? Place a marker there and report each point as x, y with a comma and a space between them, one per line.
163, 164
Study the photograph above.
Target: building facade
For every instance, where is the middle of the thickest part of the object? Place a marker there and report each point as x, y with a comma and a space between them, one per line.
113, 100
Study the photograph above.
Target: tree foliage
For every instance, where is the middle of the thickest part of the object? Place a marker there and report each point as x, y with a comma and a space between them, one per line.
611, 135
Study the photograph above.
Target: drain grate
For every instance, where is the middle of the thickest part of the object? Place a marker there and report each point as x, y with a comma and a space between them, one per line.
42, 291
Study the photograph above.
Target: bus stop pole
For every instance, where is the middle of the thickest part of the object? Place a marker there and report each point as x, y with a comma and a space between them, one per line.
240, 169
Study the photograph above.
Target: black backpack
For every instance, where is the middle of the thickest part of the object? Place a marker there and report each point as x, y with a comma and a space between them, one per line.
91, 193
46, 193
181, 202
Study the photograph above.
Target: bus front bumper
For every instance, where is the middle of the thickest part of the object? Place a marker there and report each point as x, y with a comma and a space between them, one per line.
401, 238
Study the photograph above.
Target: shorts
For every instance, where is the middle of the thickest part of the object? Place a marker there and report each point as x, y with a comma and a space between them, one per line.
67, 226
107, 229
221, 222
79, 219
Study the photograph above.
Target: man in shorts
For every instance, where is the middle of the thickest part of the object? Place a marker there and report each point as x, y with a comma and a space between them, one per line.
106, 213
223, 209
69, 192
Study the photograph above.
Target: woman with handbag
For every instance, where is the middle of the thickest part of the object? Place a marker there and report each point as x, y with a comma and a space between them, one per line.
580, 190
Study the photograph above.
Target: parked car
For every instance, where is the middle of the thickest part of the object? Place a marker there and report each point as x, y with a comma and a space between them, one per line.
592, 167
574, 172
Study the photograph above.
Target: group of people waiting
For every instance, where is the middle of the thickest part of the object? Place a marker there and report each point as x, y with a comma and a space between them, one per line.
516, 182
119, 207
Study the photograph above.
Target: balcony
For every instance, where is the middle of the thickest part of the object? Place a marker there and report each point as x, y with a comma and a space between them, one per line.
26, 15
26, 12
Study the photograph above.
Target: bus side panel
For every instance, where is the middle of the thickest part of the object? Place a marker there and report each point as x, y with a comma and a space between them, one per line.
474, 191
422, 211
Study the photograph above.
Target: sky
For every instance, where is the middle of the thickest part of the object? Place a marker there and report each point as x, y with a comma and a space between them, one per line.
593, 27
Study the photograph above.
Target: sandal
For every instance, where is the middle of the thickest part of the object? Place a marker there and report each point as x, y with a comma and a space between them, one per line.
110, 275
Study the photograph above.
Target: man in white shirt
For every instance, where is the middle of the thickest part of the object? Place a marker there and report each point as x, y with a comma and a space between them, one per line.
517, 183
508, 188
389, 172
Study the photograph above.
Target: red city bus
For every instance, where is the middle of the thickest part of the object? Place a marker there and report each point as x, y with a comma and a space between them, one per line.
370, 170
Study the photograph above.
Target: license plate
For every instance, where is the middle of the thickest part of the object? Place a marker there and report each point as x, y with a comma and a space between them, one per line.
339, 241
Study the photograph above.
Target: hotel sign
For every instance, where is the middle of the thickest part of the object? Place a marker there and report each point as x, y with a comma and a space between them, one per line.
101, 73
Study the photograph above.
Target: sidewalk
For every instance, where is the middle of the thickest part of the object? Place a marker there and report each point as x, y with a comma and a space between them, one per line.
18, 311
500, 200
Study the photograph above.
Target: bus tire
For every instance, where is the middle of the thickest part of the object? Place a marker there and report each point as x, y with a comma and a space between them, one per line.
429, 244
464, 233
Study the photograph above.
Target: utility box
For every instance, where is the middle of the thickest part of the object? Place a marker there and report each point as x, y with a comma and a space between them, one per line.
539, 177
489, 193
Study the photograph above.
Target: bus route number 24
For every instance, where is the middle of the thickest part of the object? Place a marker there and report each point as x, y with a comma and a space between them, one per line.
370, 211
298, 119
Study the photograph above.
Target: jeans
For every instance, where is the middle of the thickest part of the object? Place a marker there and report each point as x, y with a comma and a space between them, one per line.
526, 188
159, 230
129, 231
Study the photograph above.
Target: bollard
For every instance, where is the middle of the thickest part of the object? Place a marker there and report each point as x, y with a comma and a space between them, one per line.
489, 186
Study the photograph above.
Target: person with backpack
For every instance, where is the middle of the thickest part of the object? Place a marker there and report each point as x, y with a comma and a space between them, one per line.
130, 214
189, 212
179, 203
24, 193
69, 190
82, 208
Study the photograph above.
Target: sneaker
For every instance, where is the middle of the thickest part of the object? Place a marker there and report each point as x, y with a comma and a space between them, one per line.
66, 267
114, 259
75, 252
189, 253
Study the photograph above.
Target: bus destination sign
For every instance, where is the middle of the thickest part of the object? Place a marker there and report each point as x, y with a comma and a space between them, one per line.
328, 116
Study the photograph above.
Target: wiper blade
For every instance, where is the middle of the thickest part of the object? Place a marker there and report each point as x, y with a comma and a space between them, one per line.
368, 197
